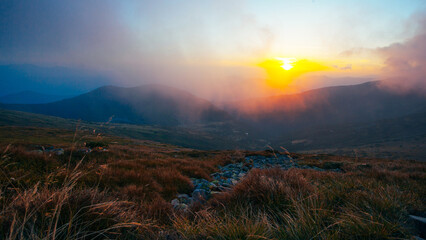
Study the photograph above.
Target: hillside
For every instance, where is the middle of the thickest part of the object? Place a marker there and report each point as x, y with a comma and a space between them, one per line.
209, 136
360, 120
394, 138
149, 190
147, 105
340, 105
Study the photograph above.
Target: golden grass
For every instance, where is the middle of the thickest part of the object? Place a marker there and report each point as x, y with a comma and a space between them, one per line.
125, 193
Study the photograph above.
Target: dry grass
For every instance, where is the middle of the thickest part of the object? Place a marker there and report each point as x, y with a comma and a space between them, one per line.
305, 204
125, 193
272, 188
49, 211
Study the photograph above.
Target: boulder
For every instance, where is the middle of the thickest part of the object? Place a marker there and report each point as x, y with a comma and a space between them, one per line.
420, 223
175, 202
200, 195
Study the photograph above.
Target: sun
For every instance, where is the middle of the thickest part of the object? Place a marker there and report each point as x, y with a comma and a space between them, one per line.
281, 72
287, 63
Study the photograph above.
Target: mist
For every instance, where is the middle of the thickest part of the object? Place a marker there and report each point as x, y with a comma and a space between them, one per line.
211, 51
138, 42
405, 62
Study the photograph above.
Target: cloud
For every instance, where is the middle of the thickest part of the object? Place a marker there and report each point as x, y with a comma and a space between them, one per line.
405, 63
182, 44
346, 67
50, 31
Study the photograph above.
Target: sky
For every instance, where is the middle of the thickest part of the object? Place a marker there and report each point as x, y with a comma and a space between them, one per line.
219, 49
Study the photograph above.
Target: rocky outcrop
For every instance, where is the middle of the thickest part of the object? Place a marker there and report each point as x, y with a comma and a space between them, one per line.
230, 175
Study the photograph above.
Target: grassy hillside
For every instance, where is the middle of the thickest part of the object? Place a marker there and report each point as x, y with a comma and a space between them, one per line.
212, 136
147, 104
124, 192
340, 105
395, 138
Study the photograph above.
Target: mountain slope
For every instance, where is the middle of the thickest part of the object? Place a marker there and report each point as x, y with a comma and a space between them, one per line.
209, 136
148, 104
354, 104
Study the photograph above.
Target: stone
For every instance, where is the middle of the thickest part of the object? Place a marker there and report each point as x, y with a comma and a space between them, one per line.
175, 202
182, 196
363, 166
59, 151
37, 151
182, 206
230, 175
420, 223
200, 195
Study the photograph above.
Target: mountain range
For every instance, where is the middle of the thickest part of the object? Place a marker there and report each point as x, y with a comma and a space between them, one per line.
148, 105
363, 116
328, 106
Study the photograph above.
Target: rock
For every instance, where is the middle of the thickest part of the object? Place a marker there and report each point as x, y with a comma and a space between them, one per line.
203, 185
227, 174
85, 150
59, 151
420, 223
213, 186
37, 151
175, 202
230, 175
182, 196
200, 195
182, 206
228, 182
363, 166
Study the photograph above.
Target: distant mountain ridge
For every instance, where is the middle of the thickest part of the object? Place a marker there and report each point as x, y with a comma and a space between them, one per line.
326, 106
147, 104
364, 117
271, 118
30, 97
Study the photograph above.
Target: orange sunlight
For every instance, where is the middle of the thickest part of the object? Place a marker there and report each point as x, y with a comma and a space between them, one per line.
282, 71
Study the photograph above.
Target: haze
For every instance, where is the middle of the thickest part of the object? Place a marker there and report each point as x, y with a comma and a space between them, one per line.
215, 49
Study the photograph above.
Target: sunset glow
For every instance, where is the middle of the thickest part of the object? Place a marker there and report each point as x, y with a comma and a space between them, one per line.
213, 119
261, 48
287, 63
283, 71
